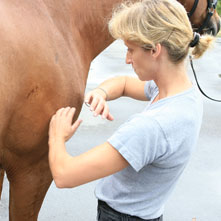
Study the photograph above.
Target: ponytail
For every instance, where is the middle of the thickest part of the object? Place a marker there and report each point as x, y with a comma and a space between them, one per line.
205, 42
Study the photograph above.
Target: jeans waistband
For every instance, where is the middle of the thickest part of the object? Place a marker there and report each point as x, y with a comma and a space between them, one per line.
131, 218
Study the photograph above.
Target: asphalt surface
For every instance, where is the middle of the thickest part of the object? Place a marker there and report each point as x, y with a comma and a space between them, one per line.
198, 192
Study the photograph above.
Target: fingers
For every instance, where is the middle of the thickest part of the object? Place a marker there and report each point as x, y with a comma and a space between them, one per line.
59, 112
100, 108
70, 114
103, 110
64, 115
88, 97
98, 105
94, 99
75, 125
61, 127
95, 102
110, 117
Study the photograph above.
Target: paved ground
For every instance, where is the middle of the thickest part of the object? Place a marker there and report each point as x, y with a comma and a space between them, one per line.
198, 193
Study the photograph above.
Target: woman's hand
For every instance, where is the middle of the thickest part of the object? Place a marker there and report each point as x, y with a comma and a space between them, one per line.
96, 99
61, 127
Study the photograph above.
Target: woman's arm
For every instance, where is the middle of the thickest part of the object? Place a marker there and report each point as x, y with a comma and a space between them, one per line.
123, 86
112, 89
69, 171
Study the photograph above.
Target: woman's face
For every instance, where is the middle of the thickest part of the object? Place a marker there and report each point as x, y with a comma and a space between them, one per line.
141, 61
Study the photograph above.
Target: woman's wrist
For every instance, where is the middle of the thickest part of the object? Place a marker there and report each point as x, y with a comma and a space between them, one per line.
104, 92
56, 141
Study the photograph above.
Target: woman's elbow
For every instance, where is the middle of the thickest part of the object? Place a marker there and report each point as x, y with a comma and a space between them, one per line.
62, 180
59, 178
58, 182
62, 183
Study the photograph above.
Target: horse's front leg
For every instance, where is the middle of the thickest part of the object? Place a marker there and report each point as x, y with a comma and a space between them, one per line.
29, 179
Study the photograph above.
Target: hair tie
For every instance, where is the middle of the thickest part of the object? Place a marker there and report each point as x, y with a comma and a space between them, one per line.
195, 40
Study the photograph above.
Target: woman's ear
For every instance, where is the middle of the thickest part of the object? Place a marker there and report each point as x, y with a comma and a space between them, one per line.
156, 51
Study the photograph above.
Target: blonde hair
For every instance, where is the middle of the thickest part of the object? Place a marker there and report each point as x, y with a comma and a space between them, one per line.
149, 22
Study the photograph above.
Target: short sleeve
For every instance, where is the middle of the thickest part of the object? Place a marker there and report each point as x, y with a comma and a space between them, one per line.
140, 141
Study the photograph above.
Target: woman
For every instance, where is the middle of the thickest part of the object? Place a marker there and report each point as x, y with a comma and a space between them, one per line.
144, 158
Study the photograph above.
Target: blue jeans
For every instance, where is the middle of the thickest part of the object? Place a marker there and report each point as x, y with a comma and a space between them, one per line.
106, 213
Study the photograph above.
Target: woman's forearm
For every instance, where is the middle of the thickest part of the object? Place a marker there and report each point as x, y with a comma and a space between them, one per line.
123, 86
113, 87
58, 158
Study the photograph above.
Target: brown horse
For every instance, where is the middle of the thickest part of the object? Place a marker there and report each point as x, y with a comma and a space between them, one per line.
46, 50
203, 15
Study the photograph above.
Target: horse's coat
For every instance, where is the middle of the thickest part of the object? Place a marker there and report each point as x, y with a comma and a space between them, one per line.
46, 50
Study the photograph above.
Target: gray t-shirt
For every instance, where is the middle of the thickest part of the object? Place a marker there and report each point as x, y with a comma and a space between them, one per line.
157, 143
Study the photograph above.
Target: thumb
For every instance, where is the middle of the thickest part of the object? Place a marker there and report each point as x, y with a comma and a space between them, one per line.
75, 125
73, 129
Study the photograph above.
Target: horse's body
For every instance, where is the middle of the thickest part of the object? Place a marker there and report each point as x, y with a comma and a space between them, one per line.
46, 50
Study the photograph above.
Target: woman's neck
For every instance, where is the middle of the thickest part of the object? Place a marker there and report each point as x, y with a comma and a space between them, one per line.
172, 79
